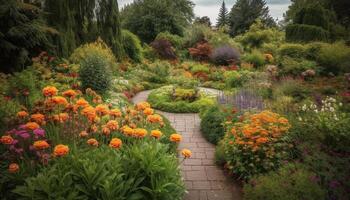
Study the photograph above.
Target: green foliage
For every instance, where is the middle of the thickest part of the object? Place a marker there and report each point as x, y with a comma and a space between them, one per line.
104, 173
148, 18
98, 48
162, 99
195, 34
212, 124
94, 73
224, 17
292, 50
159, 71
22, 34
175, 40
334, 58
244, 13
294, 67
292, 88
256, 58
233, 79
290, 182
305, 33
200, 68
132, 45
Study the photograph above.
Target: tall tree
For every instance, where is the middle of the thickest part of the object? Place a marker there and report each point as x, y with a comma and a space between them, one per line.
223, 19
109, 25
203, 20
244, 13
147, 18
22, 34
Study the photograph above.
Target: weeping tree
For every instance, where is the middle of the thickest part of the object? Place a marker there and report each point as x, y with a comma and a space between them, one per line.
22, 34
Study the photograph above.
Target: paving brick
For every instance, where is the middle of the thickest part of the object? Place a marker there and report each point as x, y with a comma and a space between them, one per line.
201, 185
195, 176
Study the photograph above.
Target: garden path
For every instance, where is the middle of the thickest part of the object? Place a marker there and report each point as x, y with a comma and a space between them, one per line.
203, 179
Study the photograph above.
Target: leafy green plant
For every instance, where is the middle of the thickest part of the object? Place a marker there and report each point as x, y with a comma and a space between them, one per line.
233, 79
200, 68
334, 58
94, 73
132, 45
256, 58
212, 124
290, 182
295, 67
292, 50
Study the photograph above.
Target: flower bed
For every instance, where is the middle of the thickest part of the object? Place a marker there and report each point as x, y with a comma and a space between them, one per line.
162, 99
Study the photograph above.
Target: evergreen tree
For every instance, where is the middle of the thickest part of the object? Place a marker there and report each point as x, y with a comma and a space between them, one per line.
223, 19
22, 34
109, 25
245, 12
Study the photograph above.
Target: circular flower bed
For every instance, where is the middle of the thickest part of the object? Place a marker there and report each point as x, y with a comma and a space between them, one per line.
179, 100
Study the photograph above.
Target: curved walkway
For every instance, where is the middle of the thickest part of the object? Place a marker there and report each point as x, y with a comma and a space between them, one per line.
203, 179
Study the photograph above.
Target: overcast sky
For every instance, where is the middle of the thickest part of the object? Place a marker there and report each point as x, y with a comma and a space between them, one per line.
211, 8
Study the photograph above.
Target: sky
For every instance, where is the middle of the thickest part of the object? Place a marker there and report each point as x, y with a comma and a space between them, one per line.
211, 8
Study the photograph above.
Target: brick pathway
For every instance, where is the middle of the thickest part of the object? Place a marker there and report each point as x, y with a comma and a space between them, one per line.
203, 179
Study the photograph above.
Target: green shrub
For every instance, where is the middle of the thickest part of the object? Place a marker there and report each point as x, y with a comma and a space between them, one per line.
334, 58
162, 99
175, 40
132, 45
256, 58
212, 124
306, 33
159, 71
94, 73
292, 50
199, 68
142, 171
291, 182
292, 88
98, 48
295, 67
233, 79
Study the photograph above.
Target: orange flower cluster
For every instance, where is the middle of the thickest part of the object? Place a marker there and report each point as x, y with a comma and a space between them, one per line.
62, 117
60, 150
140, 132
148, 111
156, 134
38, 118
89, 112
102, 110
13, 168
6, 139
41, 144
186, 153
142, 106
49, 91
259, 129
115, 113
115, 143
92, 142
22, 114
175, 137
32, 125
69, 93
59, 100
154, 118
112, 125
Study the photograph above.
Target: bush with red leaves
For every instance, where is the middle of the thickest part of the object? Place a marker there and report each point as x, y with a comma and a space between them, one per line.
202, 51
164, 49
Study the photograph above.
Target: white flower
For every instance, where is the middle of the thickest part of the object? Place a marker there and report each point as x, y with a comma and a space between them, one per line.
316, 111
300, 119
340, 104
331, 109
304, 107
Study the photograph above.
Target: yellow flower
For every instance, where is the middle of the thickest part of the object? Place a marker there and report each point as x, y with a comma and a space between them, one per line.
186, 153
60, 150
175, 137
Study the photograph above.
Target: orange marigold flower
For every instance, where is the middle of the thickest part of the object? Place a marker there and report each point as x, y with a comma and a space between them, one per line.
89, 112
140, 132
115, 143
58, 100
50, 91
93, 128
60, 150
82, 103
92, 142
148, 111
115, 113
102, 110
41, 144
69, 93
32, 126
106, 131
38, 118
142, 106
233, 131
156, 134
154, 118
175, 137
186, 153
22, 114
262, 140
112, 125
6, 139
13, 168
283, 121
83, 134
128, 131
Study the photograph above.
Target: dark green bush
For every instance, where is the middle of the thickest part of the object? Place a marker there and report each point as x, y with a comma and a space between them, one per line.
212, 124
295, 67
305, 33
291, 182
94, 73
256, 58
334, 58
292, 50
132, 45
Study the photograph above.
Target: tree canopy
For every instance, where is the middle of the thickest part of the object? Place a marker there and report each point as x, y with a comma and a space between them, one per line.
223, 19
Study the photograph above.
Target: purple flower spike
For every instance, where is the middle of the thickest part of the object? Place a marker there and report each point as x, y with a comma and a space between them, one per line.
39, 132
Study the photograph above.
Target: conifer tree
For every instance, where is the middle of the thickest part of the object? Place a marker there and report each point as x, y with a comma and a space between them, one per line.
223, 18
